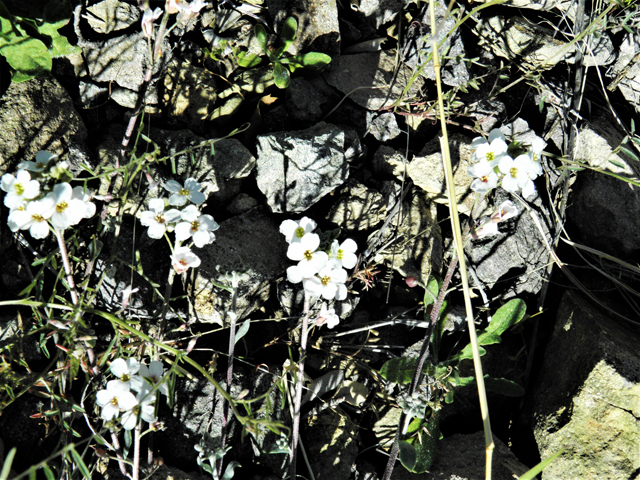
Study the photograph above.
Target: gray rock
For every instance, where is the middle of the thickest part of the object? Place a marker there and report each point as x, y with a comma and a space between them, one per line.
587, 396
91, 93
626, 71
296, 169
374, 72
358, 207
303, 101
606, 213
387, 161
318, 29
39, 115
383, 127
510, 263
379, 12
250, 243
112, 15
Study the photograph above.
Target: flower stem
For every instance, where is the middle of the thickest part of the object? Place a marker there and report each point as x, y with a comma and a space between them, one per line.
67, 265
299, 384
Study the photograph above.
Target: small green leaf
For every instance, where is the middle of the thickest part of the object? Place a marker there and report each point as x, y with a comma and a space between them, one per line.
431, 292
465, 354
242, 331
628, 152
407, 454
507, 315
6, 466
425, 445
248, 60
80, 463
313, 60
229, 471
261, 37
531, 474
399, 370
48, 473
27, 55
281, 75
288, 34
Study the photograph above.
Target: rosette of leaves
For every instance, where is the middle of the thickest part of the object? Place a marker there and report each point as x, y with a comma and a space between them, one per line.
30, 42
283, 65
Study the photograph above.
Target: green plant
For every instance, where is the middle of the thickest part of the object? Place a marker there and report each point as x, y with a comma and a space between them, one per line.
30, 44
282, 65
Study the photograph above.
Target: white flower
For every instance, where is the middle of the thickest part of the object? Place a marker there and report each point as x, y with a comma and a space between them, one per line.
180, 195
505, 211
492, 150
68, 211
41, 162
486, 229
293, 231
173, 6
114, 398
78, 193
310, 261
329, 284
343, 255
14, 216
34, 218
126, 371
327, 316
157, 219
155, 374
188, 11
19, 188
147, 21
183, 259
516, 172
143, 409
126, 295
200, 227
535, 154
485, 177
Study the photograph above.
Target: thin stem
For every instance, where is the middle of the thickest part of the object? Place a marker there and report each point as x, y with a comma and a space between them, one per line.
136, 453
116, 445
300, 382
67, 265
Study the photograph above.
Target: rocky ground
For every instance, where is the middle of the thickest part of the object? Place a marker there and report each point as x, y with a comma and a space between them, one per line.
354, 145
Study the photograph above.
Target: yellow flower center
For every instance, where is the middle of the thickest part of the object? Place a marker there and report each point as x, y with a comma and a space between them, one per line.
308, 255
184, 191
513, 172
299, 232
61, 207
491, 156
126, 377
195, 225
114, 401
182, 262
484, 179
37, 218
19, 189
159, 218
325, 280
340, 254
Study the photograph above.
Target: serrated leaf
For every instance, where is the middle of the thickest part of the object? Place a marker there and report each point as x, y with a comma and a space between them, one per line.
242, 331
399, 370
407, 454
281, 75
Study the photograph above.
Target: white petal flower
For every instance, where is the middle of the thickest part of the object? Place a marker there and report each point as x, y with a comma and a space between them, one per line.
144, 409
329, 284
327, 316
200, 228
183, 259
343, 255
41, 162
180, 195
114, 398
68, 211
34, 218
485, 177
78, 193
173, 6
535, 154
505, 211
157, 219
293, 231
125, 370
147, 21
487, 228
310, 261
516, 172
491, 151
154, 374
19, 188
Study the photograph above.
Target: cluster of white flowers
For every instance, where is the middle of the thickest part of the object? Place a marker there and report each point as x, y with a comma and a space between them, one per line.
187, 223
117, 401
322, 273
33, 205
492, 164
186, 11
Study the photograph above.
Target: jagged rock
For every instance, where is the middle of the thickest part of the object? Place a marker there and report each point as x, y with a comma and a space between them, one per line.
318, 29
387, 161
112, 15
378, 12
626, 71
587, 396
296, 169
239, 246
39, 115
375, 70
358, 208
383, 127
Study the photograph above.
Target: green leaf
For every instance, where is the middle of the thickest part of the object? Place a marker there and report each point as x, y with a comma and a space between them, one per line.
281, 75
80, 463
248, 60
507, 315
48, 473
407, 454
313, 60
288, 34
399, 370
425, 446
431, 292
503, 386
27, 55
531, 474
465, 354
261, 37
229, 471
242, 331
628, 152
6, 466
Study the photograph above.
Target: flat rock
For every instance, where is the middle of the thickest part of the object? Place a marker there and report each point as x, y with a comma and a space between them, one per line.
112, 15
358, 207
587, 396
296, 169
